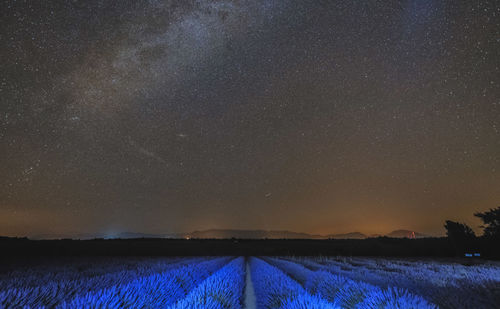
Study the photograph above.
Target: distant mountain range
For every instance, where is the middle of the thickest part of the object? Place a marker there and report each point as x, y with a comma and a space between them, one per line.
406, 233
250, 234
262, 234
242, 234
353, 235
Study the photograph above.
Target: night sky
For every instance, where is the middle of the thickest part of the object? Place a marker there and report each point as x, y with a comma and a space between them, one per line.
311, 116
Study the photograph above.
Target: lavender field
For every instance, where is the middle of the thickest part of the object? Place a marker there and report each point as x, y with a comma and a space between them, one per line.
255, 282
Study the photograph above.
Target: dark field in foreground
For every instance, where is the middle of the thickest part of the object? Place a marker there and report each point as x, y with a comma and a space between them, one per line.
383, 246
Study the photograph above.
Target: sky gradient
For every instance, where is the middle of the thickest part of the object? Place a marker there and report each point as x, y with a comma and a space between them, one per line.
310, 116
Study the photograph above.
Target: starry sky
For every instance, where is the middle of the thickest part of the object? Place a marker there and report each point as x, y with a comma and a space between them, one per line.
310, 116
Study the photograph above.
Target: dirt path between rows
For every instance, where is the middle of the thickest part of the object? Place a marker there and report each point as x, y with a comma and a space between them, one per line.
250, 301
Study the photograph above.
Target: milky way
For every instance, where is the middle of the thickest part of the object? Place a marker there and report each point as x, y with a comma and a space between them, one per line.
312, 116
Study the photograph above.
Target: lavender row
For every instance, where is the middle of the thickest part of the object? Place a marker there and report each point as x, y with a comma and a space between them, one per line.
51, 292
449, 285
274, 289
222, 290
347, 293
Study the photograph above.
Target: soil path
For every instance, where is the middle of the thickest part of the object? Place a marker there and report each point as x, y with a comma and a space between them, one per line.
250, 301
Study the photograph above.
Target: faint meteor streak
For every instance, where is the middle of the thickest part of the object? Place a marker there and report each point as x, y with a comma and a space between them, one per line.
146, 152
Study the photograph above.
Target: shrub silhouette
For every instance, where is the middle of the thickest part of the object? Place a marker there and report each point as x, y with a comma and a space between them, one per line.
491, 221
458, 231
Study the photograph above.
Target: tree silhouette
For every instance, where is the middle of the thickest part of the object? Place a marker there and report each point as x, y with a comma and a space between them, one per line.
458, 231
491, 221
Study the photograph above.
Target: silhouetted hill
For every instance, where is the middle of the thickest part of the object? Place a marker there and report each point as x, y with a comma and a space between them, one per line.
263, 234
249, 234
406, 234
353, 235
